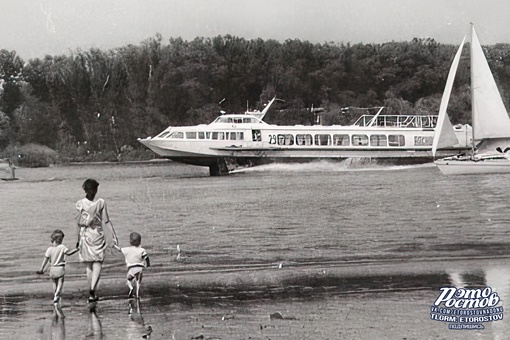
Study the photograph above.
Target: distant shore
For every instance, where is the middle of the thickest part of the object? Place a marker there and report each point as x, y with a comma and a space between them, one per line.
150, 161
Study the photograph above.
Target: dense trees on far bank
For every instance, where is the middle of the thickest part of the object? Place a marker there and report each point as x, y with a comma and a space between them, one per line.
98, 102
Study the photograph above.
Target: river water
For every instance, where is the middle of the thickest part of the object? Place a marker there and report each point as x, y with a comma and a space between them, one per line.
342, 251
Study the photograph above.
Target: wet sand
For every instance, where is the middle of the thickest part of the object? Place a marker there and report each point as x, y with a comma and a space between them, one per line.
365, 300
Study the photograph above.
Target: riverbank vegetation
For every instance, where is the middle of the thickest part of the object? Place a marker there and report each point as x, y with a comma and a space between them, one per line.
94, 104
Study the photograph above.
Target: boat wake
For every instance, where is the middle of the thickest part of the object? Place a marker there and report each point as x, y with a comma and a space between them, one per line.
347, 165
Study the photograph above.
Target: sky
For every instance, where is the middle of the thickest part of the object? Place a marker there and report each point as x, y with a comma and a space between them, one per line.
35, 28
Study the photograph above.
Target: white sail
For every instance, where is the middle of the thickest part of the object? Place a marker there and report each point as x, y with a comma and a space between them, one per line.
444, 134
490, 118
490, 121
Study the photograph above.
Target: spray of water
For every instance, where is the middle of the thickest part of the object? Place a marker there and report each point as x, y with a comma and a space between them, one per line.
345, 165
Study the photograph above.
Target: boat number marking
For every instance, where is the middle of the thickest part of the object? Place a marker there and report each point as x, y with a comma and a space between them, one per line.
272, 139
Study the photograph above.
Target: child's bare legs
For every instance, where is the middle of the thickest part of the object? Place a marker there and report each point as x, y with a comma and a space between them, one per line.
93, 274
138, 278
133, 281
57, 288
130, 286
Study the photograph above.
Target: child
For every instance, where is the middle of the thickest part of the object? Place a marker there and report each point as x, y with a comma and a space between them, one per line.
56, 257
136, 259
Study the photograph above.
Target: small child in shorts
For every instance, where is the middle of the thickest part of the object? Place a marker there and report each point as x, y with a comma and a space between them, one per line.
136, 260
55, 256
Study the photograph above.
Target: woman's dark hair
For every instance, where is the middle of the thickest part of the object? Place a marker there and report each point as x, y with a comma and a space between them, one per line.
90, 187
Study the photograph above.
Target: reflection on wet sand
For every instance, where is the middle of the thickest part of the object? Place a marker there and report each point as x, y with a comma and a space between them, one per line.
498, 278
463, 278
313, 294
58, 328
95, 330
495, 277
456, 279
137, 327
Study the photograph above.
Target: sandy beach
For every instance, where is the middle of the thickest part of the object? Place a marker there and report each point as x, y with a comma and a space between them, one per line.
309, 252
388, 300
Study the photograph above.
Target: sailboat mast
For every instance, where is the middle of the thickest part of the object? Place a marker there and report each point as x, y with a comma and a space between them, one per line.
471, 50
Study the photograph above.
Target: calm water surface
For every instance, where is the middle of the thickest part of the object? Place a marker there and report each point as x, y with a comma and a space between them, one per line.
395, 225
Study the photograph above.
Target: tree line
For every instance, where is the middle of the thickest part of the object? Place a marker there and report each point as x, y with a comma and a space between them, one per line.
100, 101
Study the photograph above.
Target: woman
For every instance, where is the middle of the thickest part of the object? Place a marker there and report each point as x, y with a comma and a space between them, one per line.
95, 233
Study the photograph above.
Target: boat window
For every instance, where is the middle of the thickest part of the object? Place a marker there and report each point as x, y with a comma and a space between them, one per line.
322, 140
423, 141
191, 135
223, 119
303, 139
238, 120
256, 136
207, 135
177, 135
236, 135
246, 120
218, 135
360, 140
378, 140
341, 140
201, 135
161, 135
396, 140
287, 139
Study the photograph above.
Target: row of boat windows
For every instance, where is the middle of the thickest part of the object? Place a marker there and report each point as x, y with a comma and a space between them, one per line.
346, 140
235, 120
337, 139
204, 135
306, 139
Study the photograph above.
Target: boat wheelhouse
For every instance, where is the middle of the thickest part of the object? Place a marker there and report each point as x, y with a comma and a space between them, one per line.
247, 139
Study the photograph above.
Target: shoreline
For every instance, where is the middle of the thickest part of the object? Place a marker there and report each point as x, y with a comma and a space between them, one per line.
291, 280
383, 301
157, 161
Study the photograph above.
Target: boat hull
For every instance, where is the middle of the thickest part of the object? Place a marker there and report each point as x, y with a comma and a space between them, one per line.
470, 167
246, 140
191, 154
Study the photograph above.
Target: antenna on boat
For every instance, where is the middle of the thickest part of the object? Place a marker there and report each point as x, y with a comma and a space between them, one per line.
471, 52
219, 103
374, 119
260, 114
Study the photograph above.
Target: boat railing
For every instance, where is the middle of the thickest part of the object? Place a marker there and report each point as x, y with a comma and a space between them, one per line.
401, 121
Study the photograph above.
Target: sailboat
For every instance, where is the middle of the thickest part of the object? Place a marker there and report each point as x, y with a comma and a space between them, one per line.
490, 121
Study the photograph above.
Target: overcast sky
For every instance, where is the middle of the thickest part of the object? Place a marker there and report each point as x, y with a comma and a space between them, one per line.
34, 28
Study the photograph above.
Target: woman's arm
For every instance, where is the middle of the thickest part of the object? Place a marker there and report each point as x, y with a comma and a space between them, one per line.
72, 251
78, 228
108, 224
